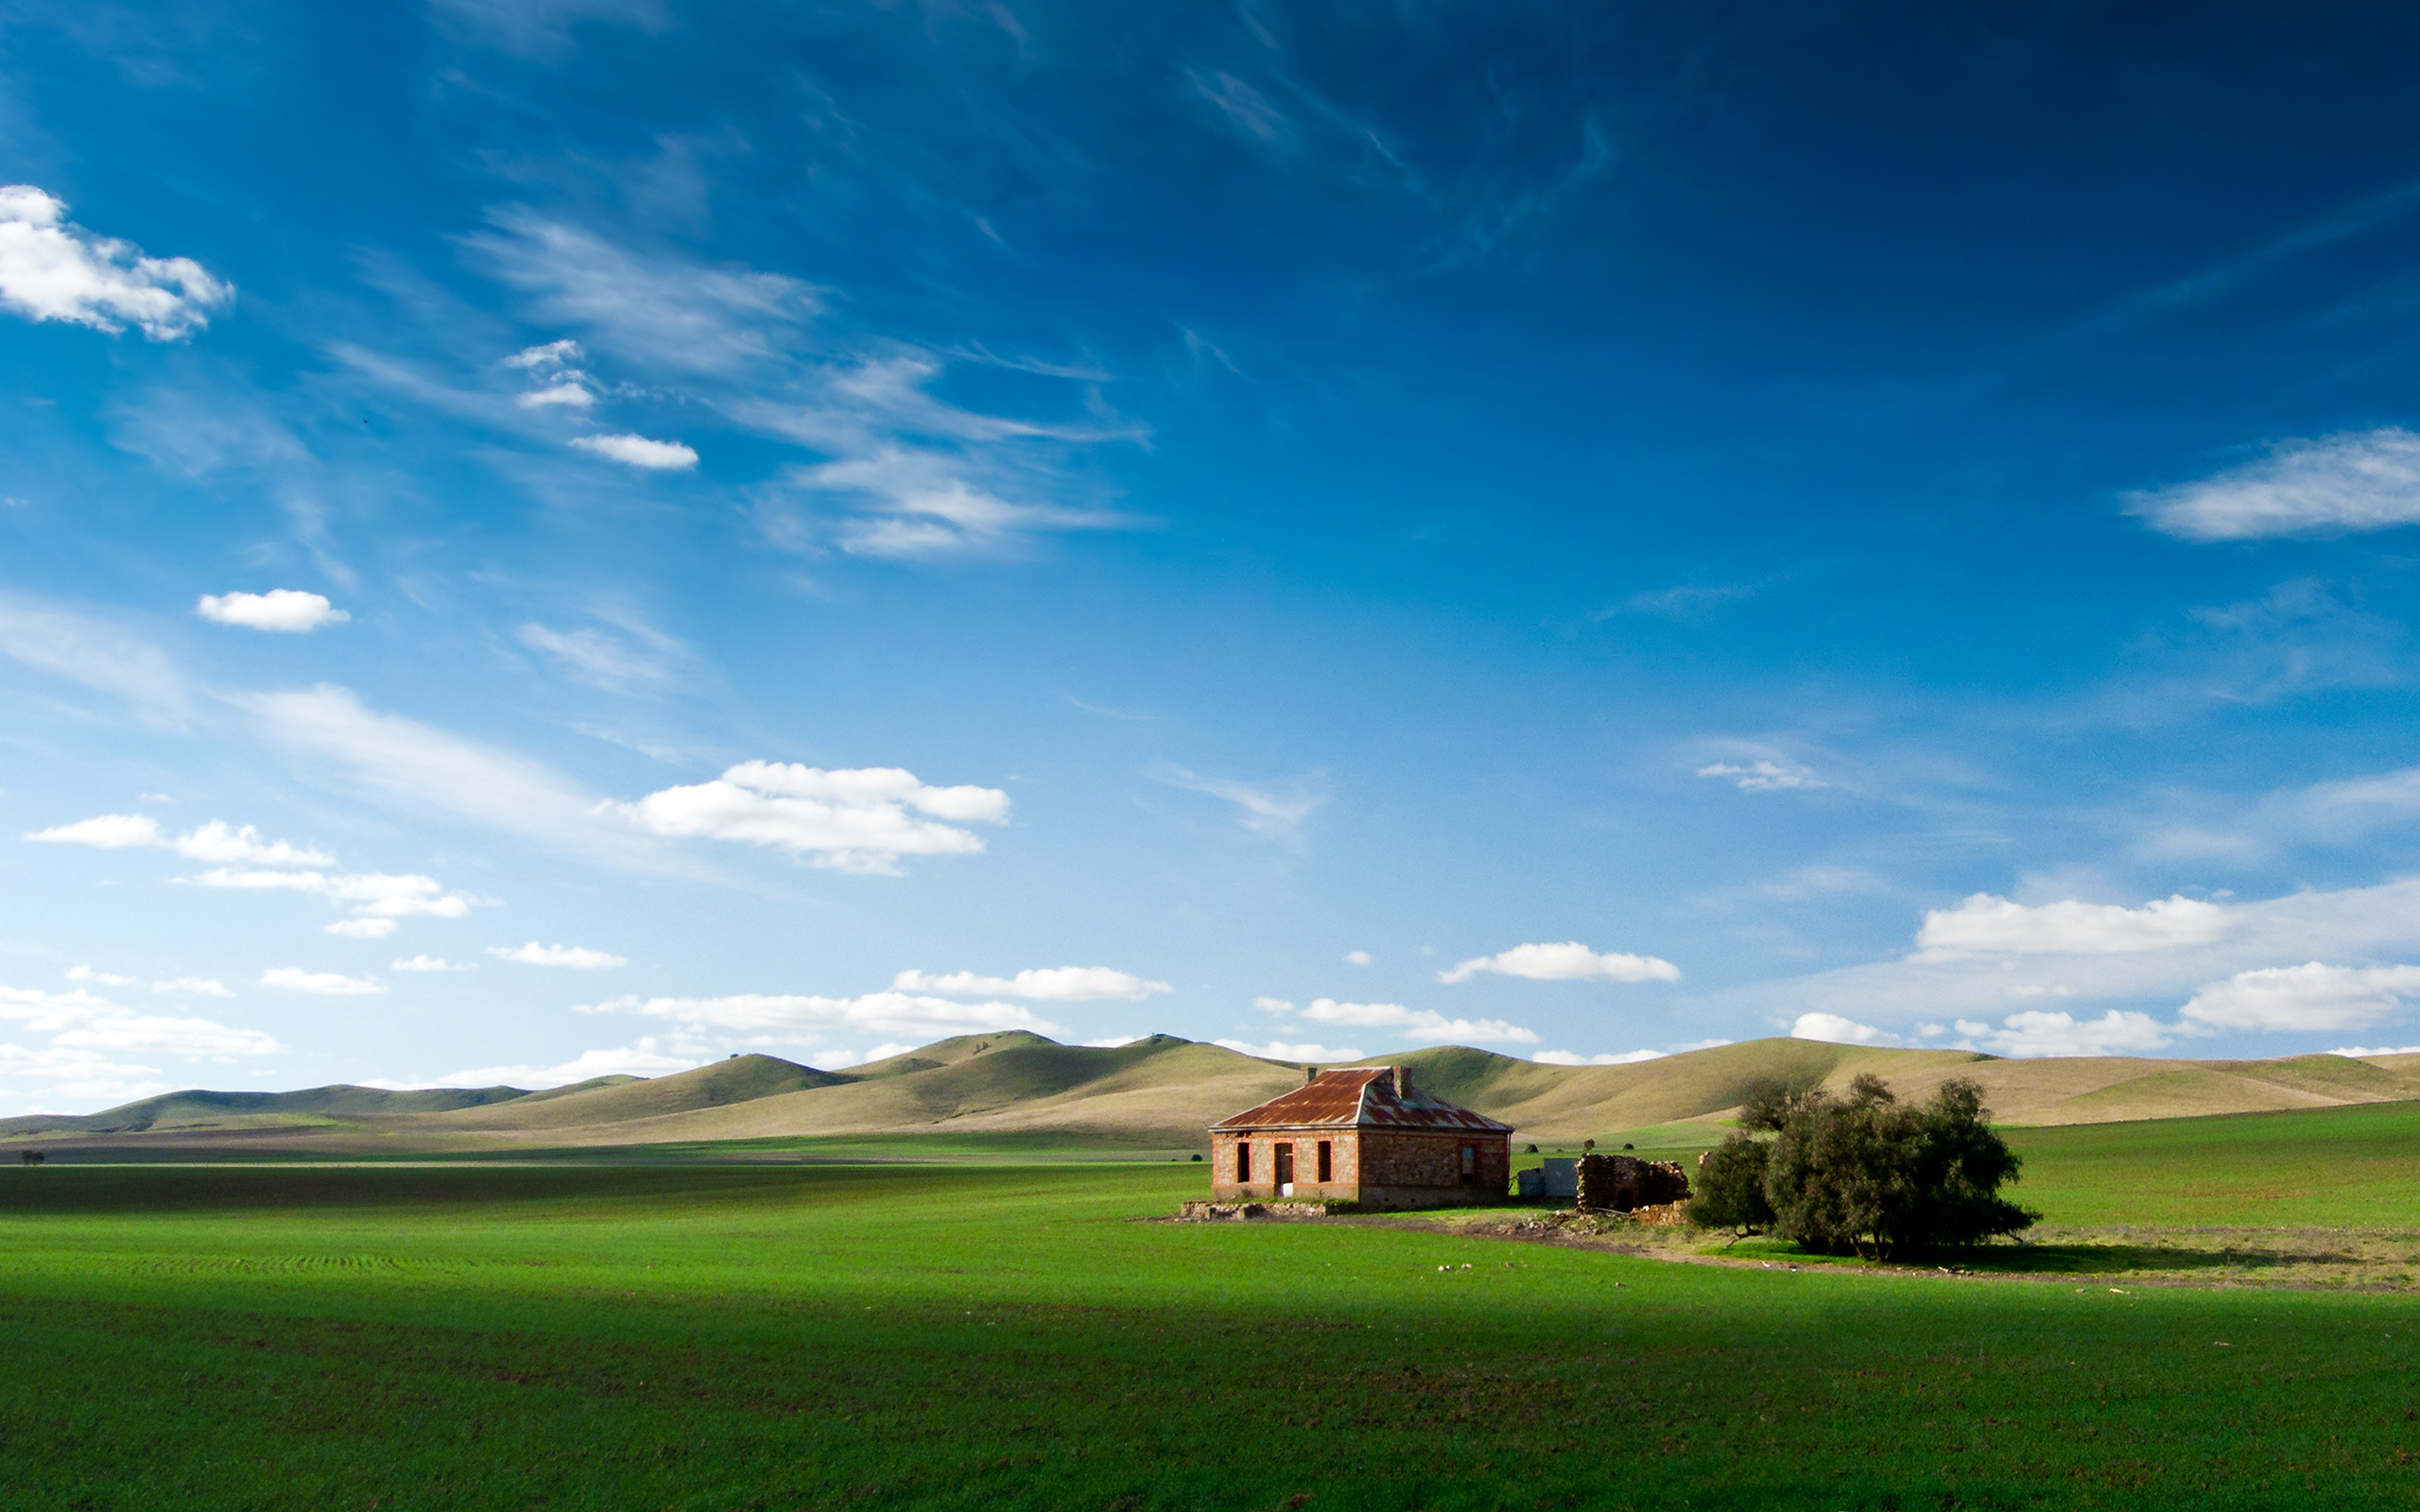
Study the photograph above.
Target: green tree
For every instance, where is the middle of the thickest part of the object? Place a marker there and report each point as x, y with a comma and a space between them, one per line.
1728, 1192
1862, 1173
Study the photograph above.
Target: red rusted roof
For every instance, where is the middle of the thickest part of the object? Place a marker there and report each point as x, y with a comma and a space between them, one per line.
1364, 1097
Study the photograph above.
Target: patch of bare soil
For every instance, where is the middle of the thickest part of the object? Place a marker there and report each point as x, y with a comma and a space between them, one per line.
2314, 1258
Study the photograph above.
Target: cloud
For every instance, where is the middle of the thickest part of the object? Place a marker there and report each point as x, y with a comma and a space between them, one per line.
1983, 922
429, 963
1277, 1050
1565, 1057
1420, 1025
216, 841
85, 974
551, 365
92, 652
923, 504
324, 984
2358, 480
637, 451
849, 821
676, 315
1057, 984
600, 660
372, 894
1245, 107
645, 1059
926, 1018
1764, 776
2358, 1052
360, 928
80, 1023
285, 610
1277, 811
53, 270
198, 986
577, 957
1112, 1042
2114, 1033
2375, 924
1833, 1029
1357, 958
107, 832
2286, 999
430, 768
1568, 962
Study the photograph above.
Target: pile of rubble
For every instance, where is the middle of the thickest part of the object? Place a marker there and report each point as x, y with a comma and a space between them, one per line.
1229, 1211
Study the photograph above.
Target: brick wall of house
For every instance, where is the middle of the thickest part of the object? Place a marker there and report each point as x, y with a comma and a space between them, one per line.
1376, 1167
1345, 1164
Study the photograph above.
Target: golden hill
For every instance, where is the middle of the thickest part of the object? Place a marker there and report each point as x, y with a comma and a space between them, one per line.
1160, 1092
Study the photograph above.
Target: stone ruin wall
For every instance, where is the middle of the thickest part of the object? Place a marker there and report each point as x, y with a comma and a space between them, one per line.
1622, 1183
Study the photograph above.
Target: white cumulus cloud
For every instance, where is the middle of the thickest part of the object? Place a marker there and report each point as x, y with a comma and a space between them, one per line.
84, 1027
360, 928
324, 984
1567, 1057
1357, 958
428, 963
1834, 1029
217, 841
1988, 924
637, 451
372, 894
2309, 997
1279, 1049
577, 957
850, 820
285, 609
1420, 1025
53, 270
1055, 983
1568, 962
2114, 1033
2360, 480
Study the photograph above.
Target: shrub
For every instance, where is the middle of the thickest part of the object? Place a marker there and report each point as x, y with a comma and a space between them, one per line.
1728, 1192
1862, 1173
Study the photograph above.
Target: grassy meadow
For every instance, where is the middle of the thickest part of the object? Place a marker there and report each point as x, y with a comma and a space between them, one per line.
665, 1335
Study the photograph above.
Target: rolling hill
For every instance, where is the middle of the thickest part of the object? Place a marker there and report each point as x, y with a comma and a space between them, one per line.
1161, 1092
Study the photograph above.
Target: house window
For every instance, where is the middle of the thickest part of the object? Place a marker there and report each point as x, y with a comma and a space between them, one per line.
1327, 1163
1470, 1165
1243, 1161
1284, 1165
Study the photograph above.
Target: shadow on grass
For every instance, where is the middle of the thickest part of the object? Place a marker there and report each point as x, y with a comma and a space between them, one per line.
2047, 1260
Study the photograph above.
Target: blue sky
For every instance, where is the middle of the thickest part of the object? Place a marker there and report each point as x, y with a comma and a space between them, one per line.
566, 535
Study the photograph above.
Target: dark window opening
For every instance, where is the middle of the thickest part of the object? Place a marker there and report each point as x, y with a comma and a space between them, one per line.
1327, 1163
1243, 1161
1470, 1165
1284, 1164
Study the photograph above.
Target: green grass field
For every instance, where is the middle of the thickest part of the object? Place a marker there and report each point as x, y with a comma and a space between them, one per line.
968, 1335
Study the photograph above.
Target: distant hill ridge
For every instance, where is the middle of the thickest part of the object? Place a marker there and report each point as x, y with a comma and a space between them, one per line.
1163, 1091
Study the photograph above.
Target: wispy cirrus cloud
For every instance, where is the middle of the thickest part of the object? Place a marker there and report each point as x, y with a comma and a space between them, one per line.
2350, 482
1275, 809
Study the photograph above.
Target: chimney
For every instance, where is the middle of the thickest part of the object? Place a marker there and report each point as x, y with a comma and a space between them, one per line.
1403, 1081
1310, 1074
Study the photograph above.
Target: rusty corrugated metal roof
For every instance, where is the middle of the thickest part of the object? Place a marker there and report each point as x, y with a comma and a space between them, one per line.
1364, 1097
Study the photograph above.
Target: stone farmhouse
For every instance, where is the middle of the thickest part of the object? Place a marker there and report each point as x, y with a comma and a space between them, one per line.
1364, 1136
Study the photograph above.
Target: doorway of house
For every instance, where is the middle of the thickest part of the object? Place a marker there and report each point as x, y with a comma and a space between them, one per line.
1285, 1170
